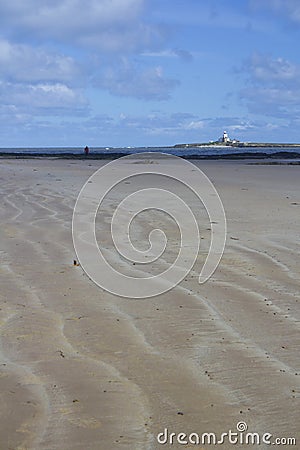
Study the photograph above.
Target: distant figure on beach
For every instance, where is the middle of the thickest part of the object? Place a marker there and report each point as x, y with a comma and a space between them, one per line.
86, 150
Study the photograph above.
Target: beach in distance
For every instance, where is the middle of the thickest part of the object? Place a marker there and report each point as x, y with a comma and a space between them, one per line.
84, 369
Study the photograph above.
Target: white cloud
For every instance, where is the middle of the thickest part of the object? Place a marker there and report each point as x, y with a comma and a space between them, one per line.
195, 125
273, 86
286, 8
19, 62
171, 53
271, 101
96, 33
242, 126
42, 99
61, 16
37, 82
126, 80
264, 68
111, 25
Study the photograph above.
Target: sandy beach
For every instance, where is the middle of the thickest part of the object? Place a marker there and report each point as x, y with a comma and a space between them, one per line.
82, 369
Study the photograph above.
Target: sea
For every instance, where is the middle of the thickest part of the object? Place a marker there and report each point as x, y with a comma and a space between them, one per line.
187, 152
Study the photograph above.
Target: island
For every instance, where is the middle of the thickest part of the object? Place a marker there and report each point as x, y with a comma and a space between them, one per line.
226, 141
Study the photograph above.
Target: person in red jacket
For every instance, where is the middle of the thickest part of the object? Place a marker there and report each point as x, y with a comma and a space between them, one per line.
86, 150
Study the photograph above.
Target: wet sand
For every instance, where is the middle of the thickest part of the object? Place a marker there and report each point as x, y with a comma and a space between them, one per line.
83, 369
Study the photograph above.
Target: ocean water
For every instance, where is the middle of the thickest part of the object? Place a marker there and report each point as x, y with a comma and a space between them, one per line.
182, 151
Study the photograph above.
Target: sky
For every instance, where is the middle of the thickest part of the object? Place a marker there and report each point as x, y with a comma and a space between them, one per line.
118, 73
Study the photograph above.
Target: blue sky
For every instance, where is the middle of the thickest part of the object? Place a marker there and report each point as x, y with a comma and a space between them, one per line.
148, 72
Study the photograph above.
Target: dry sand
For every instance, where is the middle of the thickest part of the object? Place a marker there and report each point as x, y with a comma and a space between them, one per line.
83, 369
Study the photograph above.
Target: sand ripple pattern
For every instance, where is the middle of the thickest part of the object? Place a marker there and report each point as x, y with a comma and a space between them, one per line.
83, 369
154, 198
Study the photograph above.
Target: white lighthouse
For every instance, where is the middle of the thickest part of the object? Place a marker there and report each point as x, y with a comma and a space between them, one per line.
225, 137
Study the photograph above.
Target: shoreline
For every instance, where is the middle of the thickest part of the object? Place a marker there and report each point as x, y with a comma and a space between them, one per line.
100, 156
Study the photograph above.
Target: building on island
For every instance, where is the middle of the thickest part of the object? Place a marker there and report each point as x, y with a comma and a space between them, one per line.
225, 139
